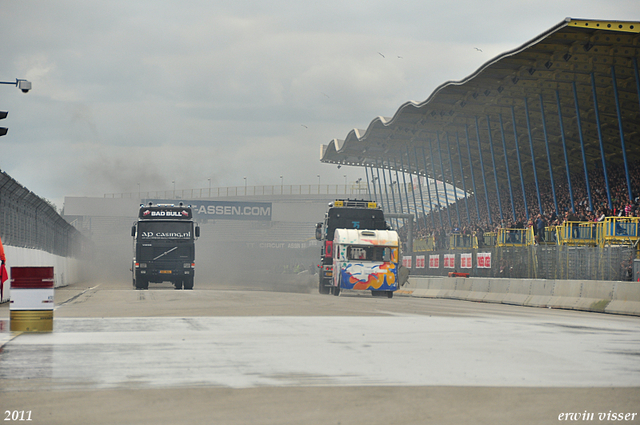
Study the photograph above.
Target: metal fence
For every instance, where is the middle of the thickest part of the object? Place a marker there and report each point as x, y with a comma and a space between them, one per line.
351, 189
28, 221
562, 262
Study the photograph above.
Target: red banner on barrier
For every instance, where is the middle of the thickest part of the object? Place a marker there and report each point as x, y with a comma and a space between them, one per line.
484, 260
32, 277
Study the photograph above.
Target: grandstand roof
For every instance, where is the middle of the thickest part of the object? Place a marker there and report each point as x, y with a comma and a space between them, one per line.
524, 86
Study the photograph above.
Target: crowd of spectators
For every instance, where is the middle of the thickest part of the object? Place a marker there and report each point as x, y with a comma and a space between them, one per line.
536, 214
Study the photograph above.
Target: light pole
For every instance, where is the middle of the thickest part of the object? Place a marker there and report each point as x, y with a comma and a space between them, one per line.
281, 185
209, 188
174, 189
245, 186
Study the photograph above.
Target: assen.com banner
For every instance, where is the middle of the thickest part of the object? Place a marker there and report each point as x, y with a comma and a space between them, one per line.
223, 210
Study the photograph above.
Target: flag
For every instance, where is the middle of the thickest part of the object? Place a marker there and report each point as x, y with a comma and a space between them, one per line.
3, 277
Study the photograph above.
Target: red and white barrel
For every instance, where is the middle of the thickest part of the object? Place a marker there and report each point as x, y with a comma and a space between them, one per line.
32, 299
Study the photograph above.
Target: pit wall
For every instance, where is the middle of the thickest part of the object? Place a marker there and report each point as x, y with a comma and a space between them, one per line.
587, 295
66, 270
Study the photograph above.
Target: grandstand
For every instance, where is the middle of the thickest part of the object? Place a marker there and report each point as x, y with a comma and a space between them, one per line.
533, 131
546, 133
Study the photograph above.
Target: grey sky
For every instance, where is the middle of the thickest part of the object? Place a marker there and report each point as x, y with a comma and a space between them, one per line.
150, 92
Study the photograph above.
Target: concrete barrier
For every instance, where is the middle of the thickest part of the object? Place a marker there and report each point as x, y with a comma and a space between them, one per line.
67, 270
587, 295
541, 293
625, 299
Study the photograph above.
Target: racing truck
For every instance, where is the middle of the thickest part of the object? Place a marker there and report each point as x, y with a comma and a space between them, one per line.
164, 246
344, 214
366, 260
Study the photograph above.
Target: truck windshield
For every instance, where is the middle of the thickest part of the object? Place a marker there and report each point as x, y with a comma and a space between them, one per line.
164, 230
369, 253
354, 218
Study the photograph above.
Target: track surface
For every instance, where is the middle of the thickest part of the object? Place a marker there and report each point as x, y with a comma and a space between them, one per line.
235, 356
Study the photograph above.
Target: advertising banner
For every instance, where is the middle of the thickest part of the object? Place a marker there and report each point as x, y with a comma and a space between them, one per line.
484, 260
466, 261
223, 210
434, 261
420, 262
406, 261
449, 261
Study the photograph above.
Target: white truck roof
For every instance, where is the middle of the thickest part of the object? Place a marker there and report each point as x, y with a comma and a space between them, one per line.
366, 237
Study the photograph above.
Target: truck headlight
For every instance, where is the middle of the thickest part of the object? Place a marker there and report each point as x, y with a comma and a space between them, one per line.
187, 265
143, 265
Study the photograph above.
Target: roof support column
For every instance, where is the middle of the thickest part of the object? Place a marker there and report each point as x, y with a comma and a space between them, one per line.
386, 188
395, 165
533, 158
379, 184
624, 151
433, 169
546, 142
484, 179
424, 159
366, 170
635, 71
393, 195
453, 179
515, 136
406, 191
413, 189
584, 157
564, 147
464, 186
506, 163
495, 173
444, 184
604, 162
473, 179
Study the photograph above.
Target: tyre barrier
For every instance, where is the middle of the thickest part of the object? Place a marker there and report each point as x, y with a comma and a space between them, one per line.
586, 295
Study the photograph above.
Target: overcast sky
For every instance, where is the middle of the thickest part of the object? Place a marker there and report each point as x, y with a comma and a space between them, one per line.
149, 92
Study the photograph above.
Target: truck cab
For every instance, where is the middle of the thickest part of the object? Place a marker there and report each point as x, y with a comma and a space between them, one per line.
366, 260
344, 214
164, 246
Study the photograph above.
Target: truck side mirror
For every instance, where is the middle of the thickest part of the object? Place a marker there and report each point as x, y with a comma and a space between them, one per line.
197, 231
319, 231
133, 230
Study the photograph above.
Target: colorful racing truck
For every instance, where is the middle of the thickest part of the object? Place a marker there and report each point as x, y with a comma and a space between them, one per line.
365, 260
344, 214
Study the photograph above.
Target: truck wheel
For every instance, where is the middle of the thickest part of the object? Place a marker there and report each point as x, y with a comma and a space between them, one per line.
142, 283
178, 284
335, 290
324, 290
188, 283
390, 294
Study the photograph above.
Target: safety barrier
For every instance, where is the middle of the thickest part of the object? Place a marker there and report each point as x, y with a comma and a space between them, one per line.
28, 221
515, 237
460, 241
618, 231
596, 296
424, 244
576, 233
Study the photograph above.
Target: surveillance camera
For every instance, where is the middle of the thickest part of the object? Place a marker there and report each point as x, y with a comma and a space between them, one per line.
24, 85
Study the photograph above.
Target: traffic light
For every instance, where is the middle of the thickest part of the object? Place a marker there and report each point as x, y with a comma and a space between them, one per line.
3, 130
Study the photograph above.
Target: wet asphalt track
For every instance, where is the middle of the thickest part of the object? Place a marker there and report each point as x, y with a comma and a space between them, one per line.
108, 337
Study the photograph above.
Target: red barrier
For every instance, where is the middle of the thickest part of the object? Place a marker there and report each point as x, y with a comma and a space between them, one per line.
32, 277
454, 274
32, 299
